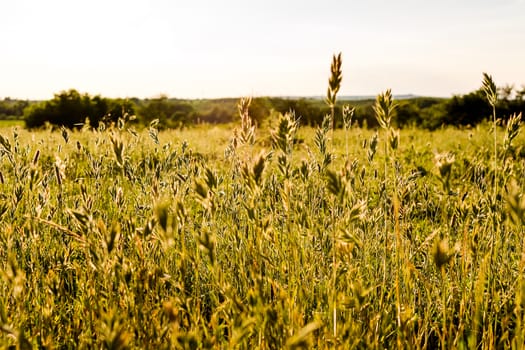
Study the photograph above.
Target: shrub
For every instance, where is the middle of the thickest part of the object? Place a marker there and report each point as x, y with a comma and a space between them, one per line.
71, 109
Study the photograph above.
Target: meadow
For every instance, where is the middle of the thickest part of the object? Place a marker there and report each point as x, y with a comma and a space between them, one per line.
228, 237
278, 236
11, 123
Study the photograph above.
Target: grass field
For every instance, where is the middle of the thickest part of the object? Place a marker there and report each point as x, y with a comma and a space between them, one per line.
262, 239
11, 123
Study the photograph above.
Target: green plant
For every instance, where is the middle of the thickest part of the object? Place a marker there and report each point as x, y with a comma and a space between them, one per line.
112, 237
334, 84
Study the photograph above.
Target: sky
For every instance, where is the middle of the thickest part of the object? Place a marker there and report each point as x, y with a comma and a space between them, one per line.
233, 48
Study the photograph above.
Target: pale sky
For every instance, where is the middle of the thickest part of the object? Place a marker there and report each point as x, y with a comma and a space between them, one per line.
232, 48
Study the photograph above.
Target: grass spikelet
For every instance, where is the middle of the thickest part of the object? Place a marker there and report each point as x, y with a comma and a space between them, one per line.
6, 145
515, 204
490, 89
384, 109
247, 132
60, 170
284, 135
65, 134
512, 130
334, 84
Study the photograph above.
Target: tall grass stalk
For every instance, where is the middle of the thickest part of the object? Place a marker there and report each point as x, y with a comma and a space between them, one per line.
334, 84
490, 90
491, 93
384, 108
348, 114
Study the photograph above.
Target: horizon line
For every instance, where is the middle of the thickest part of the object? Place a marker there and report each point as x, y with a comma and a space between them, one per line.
343, 97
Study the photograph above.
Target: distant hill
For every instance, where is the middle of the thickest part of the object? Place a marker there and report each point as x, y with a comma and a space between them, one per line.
352, 97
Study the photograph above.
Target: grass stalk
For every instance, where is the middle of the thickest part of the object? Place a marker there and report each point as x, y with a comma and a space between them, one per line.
334, 84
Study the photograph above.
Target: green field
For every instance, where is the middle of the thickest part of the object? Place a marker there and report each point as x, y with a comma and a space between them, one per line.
282, 238
11, 123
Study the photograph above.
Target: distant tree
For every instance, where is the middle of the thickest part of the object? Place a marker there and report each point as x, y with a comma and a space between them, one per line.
12, 109
170, 113
472, 108
309, 112
260, 108
216, 115
407, 113
432, 117
520, 94
422, 112
70, 109
469, 109
365, 116
119, 109
505, 92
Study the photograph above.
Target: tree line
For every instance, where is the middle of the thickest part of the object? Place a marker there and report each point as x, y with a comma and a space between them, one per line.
12, 108
71, 109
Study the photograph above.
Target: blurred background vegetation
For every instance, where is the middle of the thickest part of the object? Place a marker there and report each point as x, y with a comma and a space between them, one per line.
71, 109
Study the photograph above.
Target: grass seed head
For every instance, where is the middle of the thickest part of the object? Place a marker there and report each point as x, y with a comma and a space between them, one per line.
444, 162
490, 89
442, 254
384, 109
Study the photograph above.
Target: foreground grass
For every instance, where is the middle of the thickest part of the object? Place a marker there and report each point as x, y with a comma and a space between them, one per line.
120, 239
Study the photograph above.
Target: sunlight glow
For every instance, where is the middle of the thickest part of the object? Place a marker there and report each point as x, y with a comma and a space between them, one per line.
206, 48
